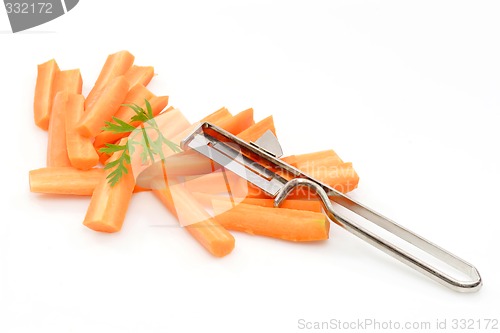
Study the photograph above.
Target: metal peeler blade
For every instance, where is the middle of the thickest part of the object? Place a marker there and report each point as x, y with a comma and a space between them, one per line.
258, 163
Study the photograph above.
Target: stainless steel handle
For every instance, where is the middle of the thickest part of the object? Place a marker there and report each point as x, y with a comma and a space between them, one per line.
474, 281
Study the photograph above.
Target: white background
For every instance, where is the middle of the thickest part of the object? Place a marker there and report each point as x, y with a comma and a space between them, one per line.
407, 91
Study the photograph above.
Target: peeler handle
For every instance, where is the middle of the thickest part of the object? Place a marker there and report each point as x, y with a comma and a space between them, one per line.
473, 283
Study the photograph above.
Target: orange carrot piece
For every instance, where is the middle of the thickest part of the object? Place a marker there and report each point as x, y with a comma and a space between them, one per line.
65, 180
213, 237
186, 163
214, 118
158, 104
288, 224
309, 205
81, 152
238, 123
68, 80
68, 181
341, 177
139, 75
220, 181
309, 160
299, 204
117, 64
104, 107
44, 93
170, 124
57, 152
217, 116
291, 159
136, 95
257, 130
109, 204
176, 136
189, 163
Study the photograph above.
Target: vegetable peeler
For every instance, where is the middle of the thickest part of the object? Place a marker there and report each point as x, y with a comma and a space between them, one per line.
258, 162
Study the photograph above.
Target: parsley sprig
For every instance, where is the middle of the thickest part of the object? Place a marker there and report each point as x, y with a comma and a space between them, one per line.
138, 136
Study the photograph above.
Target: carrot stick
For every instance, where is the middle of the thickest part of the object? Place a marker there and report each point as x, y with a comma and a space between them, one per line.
108, 205
81, 152
136, 95
65, 180
158, 103
104, 107
68, 181
306, 161
309, 205
44, 93
342, 177
69, 80
220, 181
117, 64
283, 223
57, 152
188, 163
214, 118
257, 130
139, 75
238, 123
213, 237
217, 116
192, 163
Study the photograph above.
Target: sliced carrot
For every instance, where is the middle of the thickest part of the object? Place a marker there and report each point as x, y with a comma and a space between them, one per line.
174, 161
306, 161
220, 181
65, 180
288, 224
57, 152
81, 152
68, 181
213, 237
291, 159
217, 116
238, 123
309, 205
139, 75
158, 103
136, 95
69, 80
138, 189
117, 64
214, 118
104, 107
257, 130
44, 93
190, 163
170, 124
109, 204
342, 177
